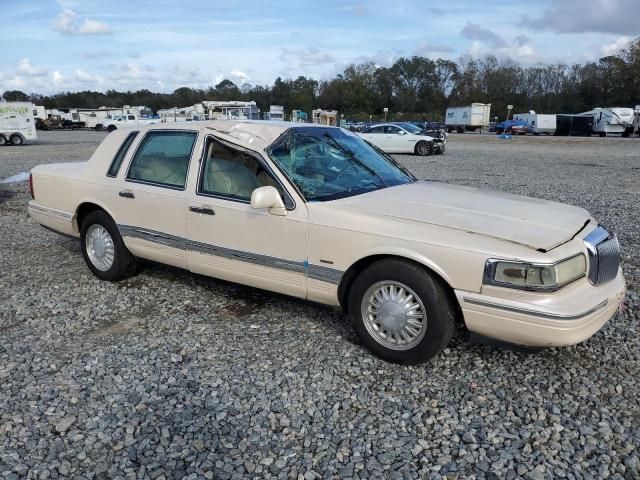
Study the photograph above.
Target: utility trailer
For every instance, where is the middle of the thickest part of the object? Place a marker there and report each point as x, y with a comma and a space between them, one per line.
17, 123
538, 123
469, 118
573, 125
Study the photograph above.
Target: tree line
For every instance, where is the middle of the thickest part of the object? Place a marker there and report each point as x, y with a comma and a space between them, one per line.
413, 87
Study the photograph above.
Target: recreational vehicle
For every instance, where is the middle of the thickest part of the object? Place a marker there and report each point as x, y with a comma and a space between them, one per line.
538, 123
470, 118
611, 120
17, 123
231, 110
276, 112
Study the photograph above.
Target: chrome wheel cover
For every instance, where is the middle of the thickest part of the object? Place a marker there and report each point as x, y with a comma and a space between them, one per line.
100, 248
394, 315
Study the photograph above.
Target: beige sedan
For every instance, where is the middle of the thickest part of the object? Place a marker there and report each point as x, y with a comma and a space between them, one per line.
317, 213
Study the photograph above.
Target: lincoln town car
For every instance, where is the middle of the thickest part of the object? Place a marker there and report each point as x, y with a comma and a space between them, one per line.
318, 213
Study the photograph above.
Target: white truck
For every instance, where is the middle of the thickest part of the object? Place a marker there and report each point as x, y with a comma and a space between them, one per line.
469, 118
17, 124
128, 120
538, 123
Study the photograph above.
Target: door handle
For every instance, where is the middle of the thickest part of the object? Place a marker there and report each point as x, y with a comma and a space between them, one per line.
203, 210
126, 194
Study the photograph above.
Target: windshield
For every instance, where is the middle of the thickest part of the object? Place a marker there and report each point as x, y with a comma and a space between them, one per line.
331, 163
410, 127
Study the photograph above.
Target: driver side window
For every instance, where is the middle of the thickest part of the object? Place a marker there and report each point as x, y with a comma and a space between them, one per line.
232, 174
392, 130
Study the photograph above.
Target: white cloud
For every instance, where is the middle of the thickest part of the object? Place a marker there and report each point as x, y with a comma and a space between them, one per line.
238, 76
614, 47
86, 78
67, 23
93, 27
306, 57
24, 67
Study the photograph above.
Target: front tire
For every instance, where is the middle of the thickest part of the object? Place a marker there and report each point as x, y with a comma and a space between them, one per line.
3, 140
103, 249
401, 312
423, 148
111, 128
16, 139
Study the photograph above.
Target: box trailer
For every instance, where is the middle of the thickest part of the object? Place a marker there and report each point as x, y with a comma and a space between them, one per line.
17, 123
469, 118
538, 123
573, 125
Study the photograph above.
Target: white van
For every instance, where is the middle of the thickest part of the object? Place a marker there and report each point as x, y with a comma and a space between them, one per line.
17, 124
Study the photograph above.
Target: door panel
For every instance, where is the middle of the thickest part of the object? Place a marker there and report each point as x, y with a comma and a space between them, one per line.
248, 246
150, 202
230, 240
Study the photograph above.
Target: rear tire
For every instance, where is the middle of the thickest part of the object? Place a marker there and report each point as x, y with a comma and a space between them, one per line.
3, 140
103, 249
111, 128
16, 139
409, 324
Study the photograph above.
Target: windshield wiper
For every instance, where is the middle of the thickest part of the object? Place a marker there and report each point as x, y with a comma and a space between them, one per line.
352, 156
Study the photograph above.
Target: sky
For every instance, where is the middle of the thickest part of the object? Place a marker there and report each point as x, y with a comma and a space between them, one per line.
50, 46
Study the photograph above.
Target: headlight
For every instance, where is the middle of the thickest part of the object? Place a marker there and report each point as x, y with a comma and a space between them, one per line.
529, 276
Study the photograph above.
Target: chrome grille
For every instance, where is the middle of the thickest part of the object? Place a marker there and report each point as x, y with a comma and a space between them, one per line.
604, 255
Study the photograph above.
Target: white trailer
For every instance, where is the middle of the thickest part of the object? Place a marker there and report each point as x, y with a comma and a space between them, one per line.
17, 124
611, 120
276, 112
185, 114
469, 118
538, 122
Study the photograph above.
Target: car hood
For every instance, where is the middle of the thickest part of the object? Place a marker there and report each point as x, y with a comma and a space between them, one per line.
535, 223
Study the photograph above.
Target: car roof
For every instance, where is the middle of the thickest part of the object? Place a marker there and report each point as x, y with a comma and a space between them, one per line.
253, 134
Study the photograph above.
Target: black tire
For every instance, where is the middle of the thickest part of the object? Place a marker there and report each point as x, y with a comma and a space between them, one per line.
434, 295
16, 139
3, 140
441, 150
124, 264
111, 128
423, 148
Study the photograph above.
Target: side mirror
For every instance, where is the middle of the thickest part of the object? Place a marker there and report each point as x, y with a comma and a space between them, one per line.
268, 197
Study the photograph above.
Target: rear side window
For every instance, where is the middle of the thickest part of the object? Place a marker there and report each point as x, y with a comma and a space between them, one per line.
122, 151
163, 159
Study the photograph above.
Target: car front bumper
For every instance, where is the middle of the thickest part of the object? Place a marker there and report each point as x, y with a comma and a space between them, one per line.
557, 319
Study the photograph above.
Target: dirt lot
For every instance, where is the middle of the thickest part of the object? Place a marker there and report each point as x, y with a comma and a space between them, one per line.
171, 375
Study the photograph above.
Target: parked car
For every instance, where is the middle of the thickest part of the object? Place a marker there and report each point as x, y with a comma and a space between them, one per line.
511, 126
128, 120
519, 129
317, 213
402, 137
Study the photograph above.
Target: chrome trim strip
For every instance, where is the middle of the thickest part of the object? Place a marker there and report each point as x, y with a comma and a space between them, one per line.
153, 236
264, 260
324, 274
317, 272
535, 313
50, 211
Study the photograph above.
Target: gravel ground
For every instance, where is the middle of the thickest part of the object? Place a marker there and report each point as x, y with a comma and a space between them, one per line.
172, 375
